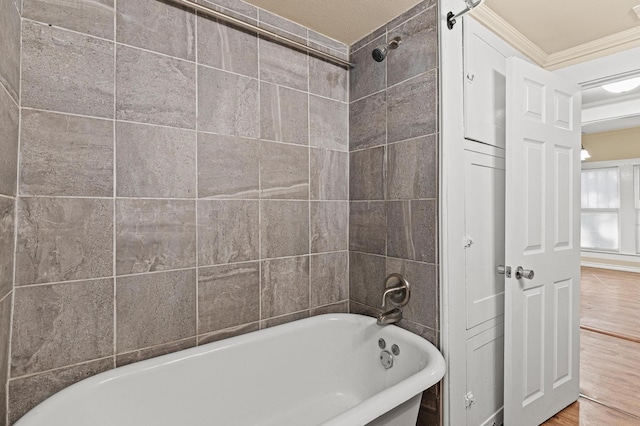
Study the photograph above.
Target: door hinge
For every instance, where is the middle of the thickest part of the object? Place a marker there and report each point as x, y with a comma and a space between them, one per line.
468, 241
469, 399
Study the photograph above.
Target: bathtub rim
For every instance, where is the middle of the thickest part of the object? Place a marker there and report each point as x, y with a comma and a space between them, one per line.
362, 413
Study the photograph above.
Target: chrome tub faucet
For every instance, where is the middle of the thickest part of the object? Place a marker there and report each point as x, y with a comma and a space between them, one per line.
398, 291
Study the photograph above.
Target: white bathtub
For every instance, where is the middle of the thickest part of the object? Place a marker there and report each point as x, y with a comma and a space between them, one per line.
324, 370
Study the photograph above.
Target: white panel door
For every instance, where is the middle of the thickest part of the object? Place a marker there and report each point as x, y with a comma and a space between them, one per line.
542, 347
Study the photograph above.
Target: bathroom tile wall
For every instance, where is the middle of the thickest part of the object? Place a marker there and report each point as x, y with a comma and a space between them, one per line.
9, 135
393, 170
180, 181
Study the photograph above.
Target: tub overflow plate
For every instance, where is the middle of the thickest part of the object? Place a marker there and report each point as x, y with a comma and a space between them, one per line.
386, 359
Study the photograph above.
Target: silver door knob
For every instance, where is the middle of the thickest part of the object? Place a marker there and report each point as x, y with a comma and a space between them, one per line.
524, 273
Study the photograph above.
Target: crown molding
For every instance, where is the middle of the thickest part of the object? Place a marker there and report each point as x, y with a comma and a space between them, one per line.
490, 19
604, 46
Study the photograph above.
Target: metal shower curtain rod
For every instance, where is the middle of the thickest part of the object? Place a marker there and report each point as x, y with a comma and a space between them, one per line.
451, 17
261, 31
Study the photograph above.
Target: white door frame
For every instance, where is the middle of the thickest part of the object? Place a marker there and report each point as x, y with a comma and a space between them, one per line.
452, 225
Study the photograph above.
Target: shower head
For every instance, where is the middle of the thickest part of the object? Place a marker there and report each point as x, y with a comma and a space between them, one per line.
380, 52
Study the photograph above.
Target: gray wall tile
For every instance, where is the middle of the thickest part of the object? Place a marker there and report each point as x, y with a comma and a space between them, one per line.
285, 286
284, 319
153, 309
228, 231
284, 66
228, 167
5, 333
155, 161
57, 325
94, 17
368, 38
155, 89
424, 282
415, 10
61, 239
368, 122
27, 392
7, 221
228, 333
282, 26
228, 296
228, 104
226, 47
155, 351
318, 40
412, 169
10, 48
284, 228
162, 27
411, 230
328, 122
9, 125
328, 80
65, 71
329, 223
329, 175
368, 76
65, 155
284, 171
155, 235
284, 114
368, 226
236, 8
328, 278
412, 108
334, 308
419, 50
366, 277
367, 174
361, 309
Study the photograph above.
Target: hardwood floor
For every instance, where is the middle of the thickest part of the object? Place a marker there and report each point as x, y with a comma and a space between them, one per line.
610, 371
609, 350
588, 413
610, 302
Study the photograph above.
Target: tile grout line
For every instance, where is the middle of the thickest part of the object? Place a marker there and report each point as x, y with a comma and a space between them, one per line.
115, 183
197, 194
50, 370
309, 178
260, 308
348, 99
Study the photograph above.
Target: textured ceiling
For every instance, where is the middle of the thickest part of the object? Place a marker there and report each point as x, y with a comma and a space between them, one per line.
343, 20
555, 25
552, 25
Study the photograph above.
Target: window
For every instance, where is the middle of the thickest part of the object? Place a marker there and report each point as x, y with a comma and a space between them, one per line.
600, 209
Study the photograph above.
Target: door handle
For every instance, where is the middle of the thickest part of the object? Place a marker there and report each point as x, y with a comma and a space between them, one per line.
524, 273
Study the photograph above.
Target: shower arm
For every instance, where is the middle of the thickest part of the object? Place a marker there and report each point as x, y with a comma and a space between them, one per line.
261, 31
451, 18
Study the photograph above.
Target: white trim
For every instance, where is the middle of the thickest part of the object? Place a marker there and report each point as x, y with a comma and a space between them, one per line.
604, 46
452, 275
487, 17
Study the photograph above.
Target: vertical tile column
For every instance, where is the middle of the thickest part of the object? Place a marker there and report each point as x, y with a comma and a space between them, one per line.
9, 125
393, 170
